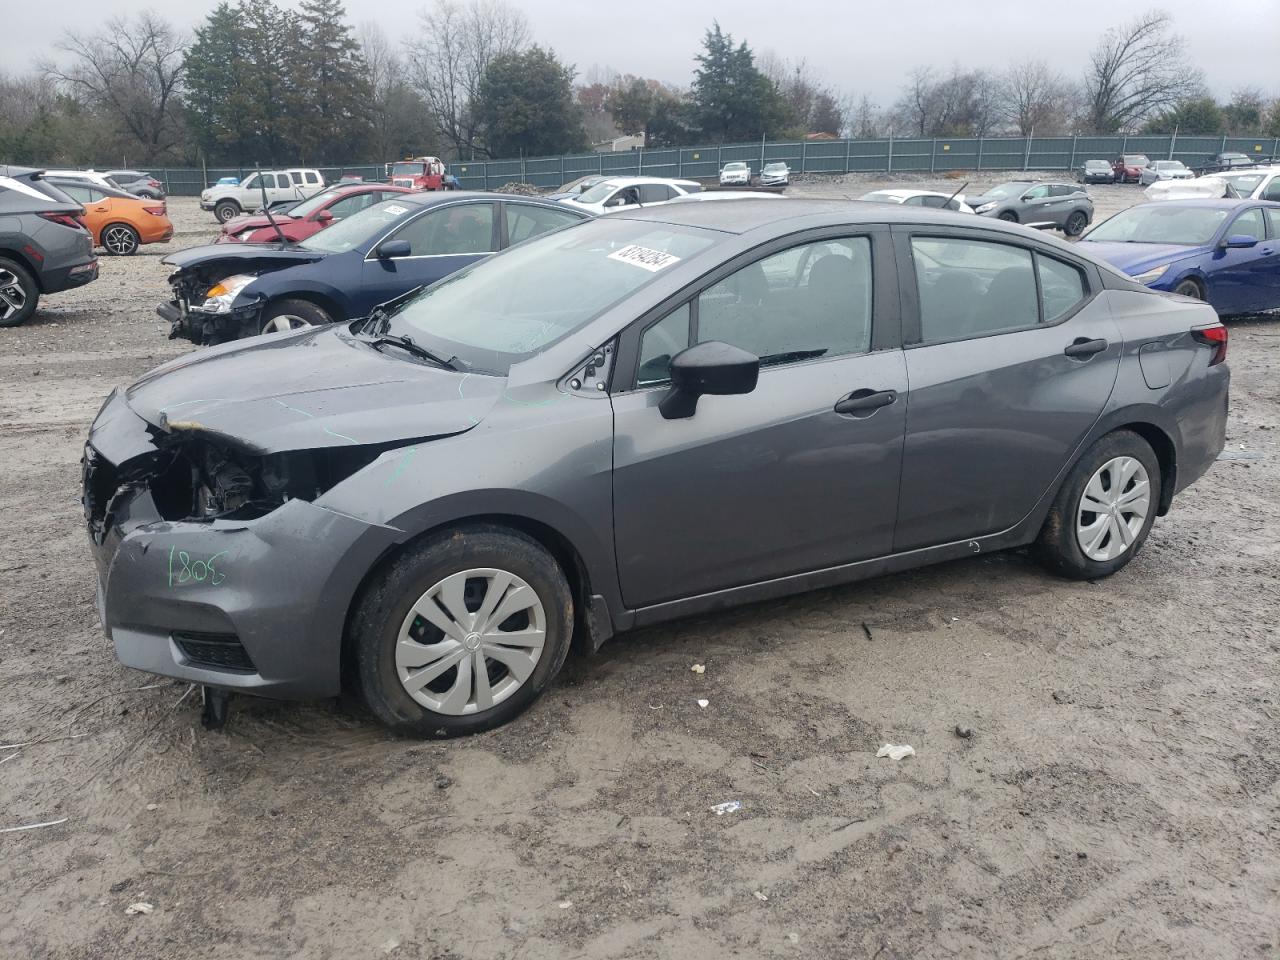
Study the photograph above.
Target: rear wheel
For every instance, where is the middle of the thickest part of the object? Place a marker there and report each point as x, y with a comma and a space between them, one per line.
225, 210
1105, 509
18, 293
120, 239
462, 632
1075, 224
1189, 288
293, 315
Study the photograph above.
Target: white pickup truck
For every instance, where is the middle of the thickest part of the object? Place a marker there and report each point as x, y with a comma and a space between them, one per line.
231, 200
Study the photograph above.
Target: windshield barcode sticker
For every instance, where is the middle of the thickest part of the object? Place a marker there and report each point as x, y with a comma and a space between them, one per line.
397, 210
638, 256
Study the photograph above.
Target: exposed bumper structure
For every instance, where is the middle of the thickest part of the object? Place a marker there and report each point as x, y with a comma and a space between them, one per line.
258, 605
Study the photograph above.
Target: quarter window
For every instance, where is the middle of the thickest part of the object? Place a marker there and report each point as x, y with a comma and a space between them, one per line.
1273, 220
970, 288
662, 341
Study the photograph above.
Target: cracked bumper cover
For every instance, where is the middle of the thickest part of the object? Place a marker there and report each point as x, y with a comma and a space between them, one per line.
281, 584
191, 323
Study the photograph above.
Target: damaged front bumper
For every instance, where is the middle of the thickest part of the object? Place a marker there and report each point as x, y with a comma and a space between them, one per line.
255, 605
204, 328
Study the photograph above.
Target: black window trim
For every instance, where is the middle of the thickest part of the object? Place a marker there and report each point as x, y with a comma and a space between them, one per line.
909, 291
504, 230
885, 318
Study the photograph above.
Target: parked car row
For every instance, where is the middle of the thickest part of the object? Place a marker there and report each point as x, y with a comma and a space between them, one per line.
565, 435
1056, 205
737, 173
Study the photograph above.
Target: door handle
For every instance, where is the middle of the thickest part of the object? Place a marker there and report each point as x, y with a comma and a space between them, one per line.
1084, 347
866, 402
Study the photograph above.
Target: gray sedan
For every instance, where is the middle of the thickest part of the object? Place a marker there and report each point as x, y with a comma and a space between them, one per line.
1054, 205
630, 420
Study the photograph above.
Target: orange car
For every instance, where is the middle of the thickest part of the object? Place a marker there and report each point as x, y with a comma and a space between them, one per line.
119, 221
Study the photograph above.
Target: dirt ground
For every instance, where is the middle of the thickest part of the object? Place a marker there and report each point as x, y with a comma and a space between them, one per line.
1119, 795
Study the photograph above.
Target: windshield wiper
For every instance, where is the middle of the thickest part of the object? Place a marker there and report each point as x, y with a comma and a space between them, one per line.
406, 343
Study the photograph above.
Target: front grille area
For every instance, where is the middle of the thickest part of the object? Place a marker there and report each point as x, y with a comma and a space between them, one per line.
222, 651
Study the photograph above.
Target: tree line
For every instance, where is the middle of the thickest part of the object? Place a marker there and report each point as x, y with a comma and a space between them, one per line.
266, 83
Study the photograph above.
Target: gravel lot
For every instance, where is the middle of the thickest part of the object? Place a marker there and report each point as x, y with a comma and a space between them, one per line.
1119, 794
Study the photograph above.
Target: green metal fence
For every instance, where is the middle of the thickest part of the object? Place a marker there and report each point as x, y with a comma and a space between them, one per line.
890, 155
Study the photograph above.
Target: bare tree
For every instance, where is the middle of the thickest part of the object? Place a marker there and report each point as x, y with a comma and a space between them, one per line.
963, 103
400, 118
1136, 70
449, 60
1035, 98
866, 120
131, 71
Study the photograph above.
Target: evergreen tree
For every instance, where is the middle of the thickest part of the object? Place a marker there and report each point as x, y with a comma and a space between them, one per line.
526, 106
332, 83
734, 101
214, 75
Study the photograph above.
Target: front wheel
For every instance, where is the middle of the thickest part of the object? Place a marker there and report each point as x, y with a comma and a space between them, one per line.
1105, 509
1009, 217
1189, 288
462, 632
289, 315
225, 210
1075, 224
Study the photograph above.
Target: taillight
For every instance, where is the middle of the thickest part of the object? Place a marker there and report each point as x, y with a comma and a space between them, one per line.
65, 220
155, 183
1215, 337
155, 211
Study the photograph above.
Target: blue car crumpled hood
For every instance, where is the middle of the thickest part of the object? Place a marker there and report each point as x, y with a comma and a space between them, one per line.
317, 388
1134, 258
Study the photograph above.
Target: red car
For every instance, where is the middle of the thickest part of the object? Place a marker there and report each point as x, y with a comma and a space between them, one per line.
308, 216
1128, 168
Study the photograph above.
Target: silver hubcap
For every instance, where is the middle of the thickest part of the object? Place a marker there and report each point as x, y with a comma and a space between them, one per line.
283, 323
119, 240
471, 641
12, 297
1113, 509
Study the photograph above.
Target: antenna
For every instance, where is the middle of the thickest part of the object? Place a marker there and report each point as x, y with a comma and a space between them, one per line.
957, 193
266, 207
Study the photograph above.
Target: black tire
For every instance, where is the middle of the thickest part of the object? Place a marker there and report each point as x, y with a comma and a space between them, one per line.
1009, 217
120, 240
19, 293
1075, 224
1189, 288
225, 210
390, 598
298, 314
1058, 546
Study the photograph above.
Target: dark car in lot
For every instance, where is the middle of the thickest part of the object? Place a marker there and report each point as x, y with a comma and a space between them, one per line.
1055, 204
1226, 252
138, 183
1096, 171
644, 416
44, 244
226, 291
1229, 161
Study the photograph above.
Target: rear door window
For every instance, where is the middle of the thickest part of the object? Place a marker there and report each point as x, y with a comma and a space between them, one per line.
655, 192
525, 221
971, 288
297, 176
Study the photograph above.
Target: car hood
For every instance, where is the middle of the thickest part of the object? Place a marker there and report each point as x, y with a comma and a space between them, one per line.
247, 221
320, 387
976, 202
250, 254
1135, 258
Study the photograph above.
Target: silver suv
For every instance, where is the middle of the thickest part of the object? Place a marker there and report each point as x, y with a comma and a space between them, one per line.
1054, 204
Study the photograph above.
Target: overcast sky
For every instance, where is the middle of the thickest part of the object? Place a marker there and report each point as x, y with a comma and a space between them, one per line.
858, 46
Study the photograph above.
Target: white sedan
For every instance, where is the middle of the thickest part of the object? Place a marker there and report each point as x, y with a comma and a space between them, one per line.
1159, 170
735, 174
920, 198
621, 192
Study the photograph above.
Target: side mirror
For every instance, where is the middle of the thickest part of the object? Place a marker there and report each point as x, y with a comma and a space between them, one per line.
1027, 197
712, 368
1240, 241
391, 249
324, 216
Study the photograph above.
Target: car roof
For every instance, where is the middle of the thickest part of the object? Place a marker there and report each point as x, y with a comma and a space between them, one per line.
58, 181
637, 181
427, 198
1217, 203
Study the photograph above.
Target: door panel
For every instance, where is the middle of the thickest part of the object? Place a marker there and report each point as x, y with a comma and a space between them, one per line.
758, 486
1244, 277
991, 420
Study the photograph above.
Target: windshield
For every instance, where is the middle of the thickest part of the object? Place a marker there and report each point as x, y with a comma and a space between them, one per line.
1097, 165
1136, 160
1012, 189
312, 204
1162, 223
406, 169
505, 309
1244, 183
775, 166
356, 229
736, 165
598, 192
1169, 165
